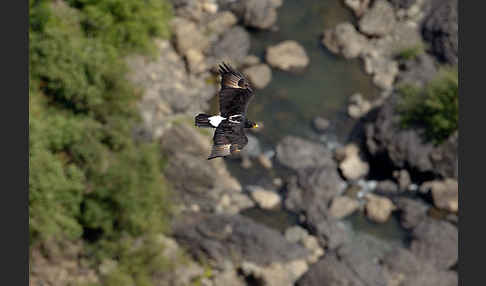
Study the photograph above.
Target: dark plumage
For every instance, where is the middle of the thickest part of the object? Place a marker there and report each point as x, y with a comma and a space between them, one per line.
234, 97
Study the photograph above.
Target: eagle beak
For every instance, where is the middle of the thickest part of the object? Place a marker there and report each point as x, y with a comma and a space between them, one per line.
255, 126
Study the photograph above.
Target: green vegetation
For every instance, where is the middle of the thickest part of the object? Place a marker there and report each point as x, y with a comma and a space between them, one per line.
88, 178
411, 52
434, 107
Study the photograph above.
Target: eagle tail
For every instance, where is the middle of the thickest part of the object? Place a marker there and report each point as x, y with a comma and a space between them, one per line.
202, 120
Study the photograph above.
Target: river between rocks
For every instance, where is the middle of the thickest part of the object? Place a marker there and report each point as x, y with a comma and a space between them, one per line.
291, 100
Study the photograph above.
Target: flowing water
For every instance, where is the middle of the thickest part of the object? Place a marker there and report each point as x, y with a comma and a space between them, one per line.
291, 100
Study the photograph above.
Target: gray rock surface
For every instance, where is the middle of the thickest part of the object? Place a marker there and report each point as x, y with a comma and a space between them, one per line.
441, 30
296, 153
412, 212
222, 237
405, 269
329, 271
233, 47
167, 89
261, 14
436, 242
406, 148
378, 20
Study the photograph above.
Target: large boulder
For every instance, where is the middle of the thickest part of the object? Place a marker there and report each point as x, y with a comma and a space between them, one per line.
287, 55
236, 238
406, 148
378, 208
259, 75
167, 89
404, 268
197, 181
232, 46
379, 20
344, 39
350, 163
297, 153
444, 193
329, 271
436, 242
412, 212
343, 206
260, 14
441, 30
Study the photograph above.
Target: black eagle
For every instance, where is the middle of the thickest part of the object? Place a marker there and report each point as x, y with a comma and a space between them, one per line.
234, 97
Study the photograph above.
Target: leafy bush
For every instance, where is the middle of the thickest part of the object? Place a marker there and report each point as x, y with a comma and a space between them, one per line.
88, 178
434, 107
410, 52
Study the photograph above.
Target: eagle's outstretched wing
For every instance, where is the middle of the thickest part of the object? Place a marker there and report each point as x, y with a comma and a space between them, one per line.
228, 138
235, 93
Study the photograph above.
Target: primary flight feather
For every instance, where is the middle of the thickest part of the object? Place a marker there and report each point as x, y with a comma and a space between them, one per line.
234, 97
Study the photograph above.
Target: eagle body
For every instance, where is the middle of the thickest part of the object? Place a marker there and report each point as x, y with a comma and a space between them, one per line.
234, 97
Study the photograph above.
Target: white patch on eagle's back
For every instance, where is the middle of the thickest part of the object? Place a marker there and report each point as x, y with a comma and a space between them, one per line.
216, 120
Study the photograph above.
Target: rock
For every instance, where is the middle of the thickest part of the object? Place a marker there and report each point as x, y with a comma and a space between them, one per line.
320, 124
417, 71
345, 40
351, 165
264, 199
210, 7
403, 4
259, 75
445, 194
383, 70
358, 106
275, 274
441, 30
358, 6
411, 271
412, 212
195, 61
253, 148
363, 255
329, 271
310, 194
187, 36
436, 242
220, 22
265, 161
405, 148
227, 278
378, 209
343, 206
295, 234
260, 14
403, 178
168, 91
296, 153
222, 237
251, 60
233, 47
379, 20
287, 55
186, 149
387, 187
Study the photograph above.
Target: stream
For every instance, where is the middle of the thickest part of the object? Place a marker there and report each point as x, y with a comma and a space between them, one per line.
291, 100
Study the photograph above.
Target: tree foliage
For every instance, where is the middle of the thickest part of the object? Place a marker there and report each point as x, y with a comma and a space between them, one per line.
88, 178
434, 107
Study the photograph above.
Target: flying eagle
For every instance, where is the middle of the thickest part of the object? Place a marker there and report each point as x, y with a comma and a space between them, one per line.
234, 96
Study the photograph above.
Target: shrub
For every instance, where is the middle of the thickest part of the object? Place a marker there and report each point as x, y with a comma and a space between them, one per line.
410, 52
434, 107
88, 178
